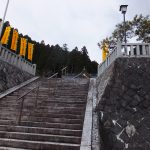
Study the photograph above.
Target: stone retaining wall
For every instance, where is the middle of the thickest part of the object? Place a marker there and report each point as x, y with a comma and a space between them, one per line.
11, 76
124, 105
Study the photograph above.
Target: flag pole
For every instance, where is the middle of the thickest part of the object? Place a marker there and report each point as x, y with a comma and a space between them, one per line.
1, 28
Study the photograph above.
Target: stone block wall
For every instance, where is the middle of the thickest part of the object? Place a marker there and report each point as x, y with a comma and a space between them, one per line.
124, 105
11, 76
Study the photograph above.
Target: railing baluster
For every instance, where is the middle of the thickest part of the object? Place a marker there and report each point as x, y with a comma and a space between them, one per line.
36, 99
137, 50
132, 51
148, 49
3, 53
144, 50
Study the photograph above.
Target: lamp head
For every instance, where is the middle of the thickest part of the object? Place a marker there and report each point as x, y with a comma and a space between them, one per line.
123, 8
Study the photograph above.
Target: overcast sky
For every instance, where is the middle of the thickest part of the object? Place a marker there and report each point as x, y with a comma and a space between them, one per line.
74, 22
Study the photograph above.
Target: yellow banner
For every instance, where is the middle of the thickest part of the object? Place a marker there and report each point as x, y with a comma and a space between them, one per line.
5, 37
14, 40
30, 51
23, 46
105, 51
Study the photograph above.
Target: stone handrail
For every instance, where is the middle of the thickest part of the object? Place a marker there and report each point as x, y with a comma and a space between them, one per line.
17, 61
136, 49
116, 52
125, 50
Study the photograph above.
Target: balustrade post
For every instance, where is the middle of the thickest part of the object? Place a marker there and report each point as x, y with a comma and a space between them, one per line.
119, 52
149, 49
144, 50
19, 62
9, 57
132, 51
33, 69
5, 55
0, 49
138, 50
12, 59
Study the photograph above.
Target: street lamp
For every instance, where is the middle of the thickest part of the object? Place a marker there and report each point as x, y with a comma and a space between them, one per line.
1, 28
123, 9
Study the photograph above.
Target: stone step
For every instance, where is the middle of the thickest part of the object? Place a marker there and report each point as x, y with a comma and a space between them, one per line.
42, 104
56, 123
51, 107
53, 125
61, 102
40, 137
59, 108
38, 145
63, 89
54, 131
43, 97
14, 111
53, 120
11, 148
59, 115
49, 115
70, 96
43, 124
64, 111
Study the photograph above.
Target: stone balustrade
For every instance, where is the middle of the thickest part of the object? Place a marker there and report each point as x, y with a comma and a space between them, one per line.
125, 50
136, 49
17, 61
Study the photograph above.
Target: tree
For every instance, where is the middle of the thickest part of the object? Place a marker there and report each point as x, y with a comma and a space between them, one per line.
138, 27
65, 47
141, 26
50, 59
118, 33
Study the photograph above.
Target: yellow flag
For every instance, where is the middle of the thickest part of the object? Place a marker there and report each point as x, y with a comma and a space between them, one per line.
5, 37
30, 51
105, 51
23, 46
14, 40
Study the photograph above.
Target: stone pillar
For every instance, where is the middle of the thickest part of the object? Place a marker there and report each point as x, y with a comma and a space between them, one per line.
19, 64
2, 53
138, 50
149, 49
34, 69
0, 49
5, 55
15, 60
132, 51
9, 57
23, 64
119, 52
144, 50
12, 59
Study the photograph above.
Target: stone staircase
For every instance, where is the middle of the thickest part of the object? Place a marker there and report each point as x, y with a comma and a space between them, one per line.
55, 124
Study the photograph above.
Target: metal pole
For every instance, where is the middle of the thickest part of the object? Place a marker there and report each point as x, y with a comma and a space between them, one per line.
37, 94
20, 112
125, 39
1, 28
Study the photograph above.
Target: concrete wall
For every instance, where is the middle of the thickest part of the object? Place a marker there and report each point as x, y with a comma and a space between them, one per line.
123, 105
11, 76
